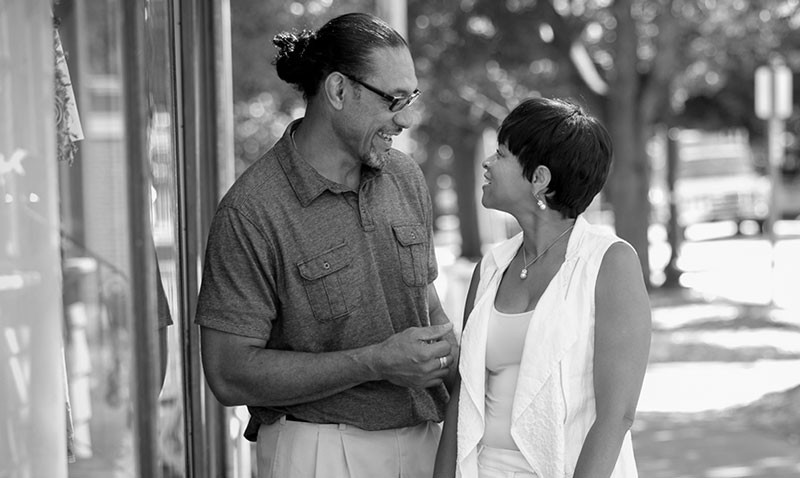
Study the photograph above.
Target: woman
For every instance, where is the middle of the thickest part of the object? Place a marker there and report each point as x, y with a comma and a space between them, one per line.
554, 350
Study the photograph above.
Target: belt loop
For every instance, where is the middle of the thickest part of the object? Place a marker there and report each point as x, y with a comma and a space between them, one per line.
342, 426
283, 419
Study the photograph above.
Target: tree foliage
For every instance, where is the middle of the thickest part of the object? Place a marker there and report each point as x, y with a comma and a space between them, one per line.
637, 64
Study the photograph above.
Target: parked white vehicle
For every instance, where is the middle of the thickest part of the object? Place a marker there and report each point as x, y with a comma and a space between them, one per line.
715, 180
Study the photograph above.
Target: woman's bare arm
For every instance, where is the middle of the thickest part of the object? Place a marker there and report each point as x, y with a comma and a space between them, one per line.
622, 344
445, 466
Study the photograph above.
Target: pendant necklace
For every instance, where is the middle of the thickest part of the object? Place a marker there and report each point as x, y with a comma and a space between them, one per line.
523, 274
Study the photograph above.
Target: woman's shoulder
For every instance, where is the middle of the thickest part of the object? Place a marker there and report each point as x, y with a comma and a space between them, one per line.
600, 239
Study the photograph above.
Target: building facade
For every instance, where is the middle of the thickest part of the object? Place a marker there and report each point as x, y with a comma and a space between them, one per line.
115, 145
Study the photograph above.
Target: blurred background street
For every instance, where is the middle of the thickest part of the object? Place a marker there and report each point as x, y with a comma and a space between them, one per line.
158, 105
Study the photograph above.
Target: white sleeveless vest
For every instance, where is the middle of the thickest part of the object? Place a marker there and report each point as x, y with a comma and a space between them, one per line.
554, 404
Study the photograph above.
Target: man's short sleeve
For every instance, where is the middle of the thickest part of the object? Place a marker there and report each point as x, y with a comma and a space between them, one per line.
433, 270
237, 294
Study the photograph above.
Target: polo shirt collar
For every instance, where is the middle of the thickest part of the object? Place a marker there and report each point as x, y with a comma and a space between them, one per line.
306, 182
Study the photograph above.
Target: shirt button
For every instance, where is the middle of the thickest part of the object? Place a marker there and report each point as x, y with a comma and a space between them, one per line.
326, 265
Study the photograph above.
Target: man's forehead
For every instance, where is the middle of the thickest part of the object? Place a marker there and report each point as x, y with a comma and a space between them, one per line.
393, 69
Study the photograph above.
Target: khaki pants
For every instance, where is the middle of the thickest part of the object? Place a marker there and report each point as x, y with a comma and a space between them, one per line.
289, 449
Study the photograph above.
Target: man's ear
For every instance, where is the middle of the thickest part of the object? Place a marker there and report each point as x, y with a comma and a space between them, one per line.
334, 89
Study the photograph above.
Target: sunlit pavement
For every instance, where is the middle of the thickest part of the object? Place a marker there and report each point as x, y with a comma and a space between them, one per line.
681, 429
688, 423
743, 269
692, 387
725, 274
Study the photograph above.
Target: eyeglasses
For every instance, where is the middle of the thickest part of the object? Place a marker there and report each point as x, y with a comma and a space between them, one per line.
396, 103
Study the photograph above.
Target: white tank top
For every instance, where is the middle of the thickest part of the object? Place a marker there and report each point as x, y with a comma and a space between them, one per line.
504, 344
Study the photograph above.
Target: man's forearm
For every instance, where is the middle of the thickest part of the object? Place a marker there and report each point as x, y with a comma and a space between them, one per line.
266, 377
241, 371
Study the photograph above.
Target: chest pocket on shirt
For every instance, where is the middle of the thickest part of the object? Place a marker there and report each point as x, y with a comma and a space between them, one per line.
329, 283
412, 248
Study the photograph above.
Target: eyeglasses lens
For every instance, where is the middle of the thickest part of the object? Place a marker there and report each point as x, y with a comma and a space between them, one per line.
400, 103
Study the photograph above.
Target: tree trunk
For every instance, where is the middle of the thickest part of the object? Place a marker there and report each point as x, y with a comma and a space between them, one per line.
629, 182
672, 273
464, 175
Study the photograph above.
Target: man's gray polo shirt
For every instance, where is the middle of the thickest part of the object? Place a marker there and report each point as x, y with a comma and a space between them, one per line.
310, 265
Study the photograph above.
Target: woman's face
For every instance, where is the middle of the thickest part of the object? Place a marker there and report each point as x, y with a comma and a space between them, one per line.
505, 188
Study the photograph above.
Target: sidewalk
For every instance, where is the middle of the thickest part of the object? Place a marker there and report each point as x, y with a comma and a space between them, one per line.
687, 446
721, 397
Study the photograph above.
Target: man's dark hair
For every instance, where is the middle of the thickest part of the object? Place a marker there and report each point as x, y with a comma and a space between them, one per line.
343, 44
574, 146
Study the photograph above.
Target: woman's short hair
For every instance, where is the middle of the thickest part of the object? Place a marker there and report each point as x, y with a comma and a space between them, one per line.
343, 44
573, 145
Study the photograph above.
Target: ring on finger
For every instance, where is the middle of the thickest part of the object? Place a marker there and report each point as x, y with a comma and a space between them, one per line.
443, 362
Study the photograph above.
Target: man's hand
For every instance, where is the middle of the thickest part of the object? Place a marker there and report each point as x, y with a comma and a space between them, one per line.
418, 357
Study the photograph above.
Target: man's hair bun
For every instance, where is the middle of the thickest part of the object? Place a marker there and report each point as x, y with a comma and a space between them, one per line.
292, 60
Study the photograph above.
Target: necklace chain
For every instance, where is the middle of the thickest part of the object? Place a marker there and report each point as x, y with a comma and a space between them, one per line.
523, 274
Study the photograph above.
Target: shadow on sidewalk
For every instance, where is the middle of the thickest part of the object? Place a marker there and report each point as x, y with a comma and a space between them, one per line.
757, 439
701, 446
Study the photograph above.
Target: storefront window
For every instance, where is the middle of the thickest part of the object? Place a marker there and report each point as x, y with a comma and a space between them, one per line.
162, 124
100, 247
96, 240
96, 246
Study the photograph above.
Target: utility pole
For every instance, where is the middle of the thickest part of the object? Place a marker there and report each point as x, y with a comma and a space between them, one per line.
773, 103
395, 13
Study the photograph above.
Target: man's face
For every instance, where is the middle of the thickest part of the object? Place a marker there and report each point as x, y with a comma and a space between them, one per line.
372, 123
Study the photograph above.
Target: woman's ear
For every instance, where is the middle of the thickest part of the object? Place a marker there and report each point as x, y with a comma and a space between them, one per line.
334, 88
541, 180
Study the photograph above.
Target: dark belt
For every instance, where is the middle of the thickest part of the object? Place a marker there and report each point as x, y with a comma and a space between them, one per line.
293, 418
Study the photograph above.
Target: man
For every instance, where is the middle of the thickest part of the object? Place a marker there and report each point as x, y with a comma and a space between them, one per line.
317, 307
